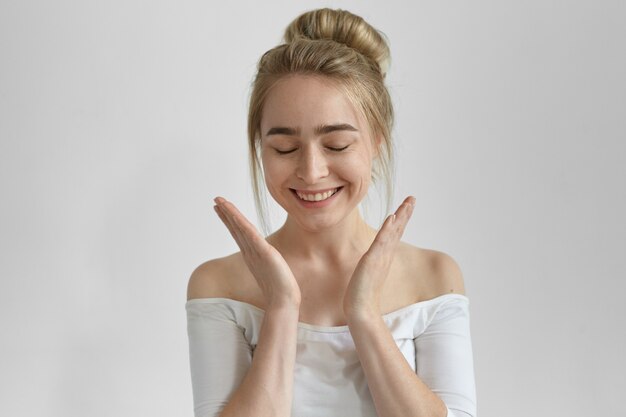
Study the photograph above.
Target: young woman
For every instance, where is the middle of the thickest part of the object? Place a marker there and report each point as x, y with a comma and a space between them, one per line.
326, 316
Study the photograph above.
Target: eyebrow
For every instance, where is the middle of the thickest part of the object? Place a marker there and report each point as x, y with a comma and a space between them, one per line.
319, 130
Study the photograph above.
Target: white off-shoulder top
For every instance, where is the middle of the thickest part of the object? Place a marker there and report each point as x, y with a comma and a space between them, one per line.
433, 336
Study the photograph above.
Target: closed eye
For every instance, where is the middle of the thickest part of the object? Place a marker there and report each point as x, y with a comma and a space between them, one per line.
284, 152
338, 149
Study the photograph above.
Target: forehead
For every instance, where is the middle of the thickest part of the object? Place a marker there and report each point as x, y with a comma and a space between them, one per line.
306, 101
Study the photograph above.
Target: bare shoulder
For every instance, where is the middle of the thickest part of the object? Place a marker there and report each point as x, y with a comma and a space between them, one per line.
436, 273
447, 273
215, 278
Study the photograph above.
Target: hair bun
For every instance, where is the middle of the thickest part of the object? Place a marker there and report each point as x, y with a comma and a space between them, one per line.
343, 27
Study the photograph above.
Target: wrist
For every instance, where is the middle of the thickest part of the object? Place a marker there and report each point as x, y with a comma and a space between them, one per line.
362, 315
284, 305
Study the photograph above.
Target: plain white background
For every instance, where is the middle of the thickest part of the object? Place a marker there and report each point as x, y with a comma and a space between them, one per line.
121, 120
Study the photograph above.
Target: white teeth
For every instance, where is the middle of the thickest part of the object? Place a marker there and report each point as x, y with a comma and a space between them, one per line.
317, 196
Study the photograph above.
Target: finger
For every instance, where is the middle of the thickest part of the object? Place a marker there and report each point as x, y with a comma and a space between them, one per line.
385, 234
406, 207
227, 214
244, 225
232, 228
393, 228
403, 214
230, 223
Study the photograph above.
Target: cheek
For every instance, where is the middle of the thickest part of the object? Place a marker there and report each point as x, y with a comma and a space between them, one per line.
358, 168
275, 172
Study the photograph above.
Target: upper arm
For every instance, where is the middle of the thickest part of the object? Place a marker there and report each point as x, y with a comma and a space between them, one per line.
444, 358
219, 355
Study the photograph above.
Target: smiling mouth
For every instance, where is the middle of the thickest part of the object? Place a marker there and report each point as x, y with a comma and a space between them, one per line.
315, 196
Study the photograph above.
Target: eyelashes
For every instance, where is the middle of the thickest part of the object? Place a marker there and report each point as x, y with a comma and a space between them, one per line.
339, 149
283, 152
292, 150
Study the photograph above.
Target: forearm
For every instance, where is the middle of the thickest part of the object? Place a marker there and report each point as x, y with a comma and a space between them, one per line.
267, 388
396, 389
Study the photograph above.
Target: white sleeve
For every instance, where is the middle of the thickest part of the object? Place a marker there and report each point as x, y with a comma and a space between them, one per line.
444, 358
219, 356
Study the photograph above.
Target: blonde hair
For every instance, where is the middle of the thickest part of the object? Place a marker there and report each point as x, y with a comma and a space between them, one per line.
343, 48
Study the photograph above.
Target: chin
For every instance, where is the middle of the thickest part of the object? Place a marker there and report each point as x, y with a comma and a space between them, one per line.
312, 225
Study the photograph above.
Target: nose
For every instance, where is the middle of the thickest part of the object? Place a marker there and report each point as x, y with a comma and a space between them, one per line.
312, 165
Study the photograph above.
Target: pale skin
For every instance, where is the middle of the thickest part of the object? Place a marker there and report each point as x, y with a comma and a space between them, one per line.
322, 239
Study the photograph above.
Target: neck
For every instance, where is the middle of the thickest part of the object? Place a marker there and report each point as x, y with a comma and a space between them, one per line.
348, 239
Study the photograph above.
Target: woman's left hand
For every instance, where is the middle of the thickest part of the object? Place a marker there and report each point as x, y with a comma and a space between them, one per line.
362, 297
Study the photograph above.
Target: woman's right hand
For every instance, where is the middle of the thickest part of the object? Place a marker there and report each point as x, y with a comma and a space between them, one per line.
267, 265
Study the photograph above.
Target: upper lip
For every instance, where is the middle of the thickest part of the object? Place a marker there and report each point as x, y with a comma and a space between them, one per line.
315, 191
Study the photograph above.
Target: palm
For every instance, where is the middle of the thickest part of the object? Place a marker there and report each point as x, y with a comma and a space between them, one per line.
264, 261
369, 276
